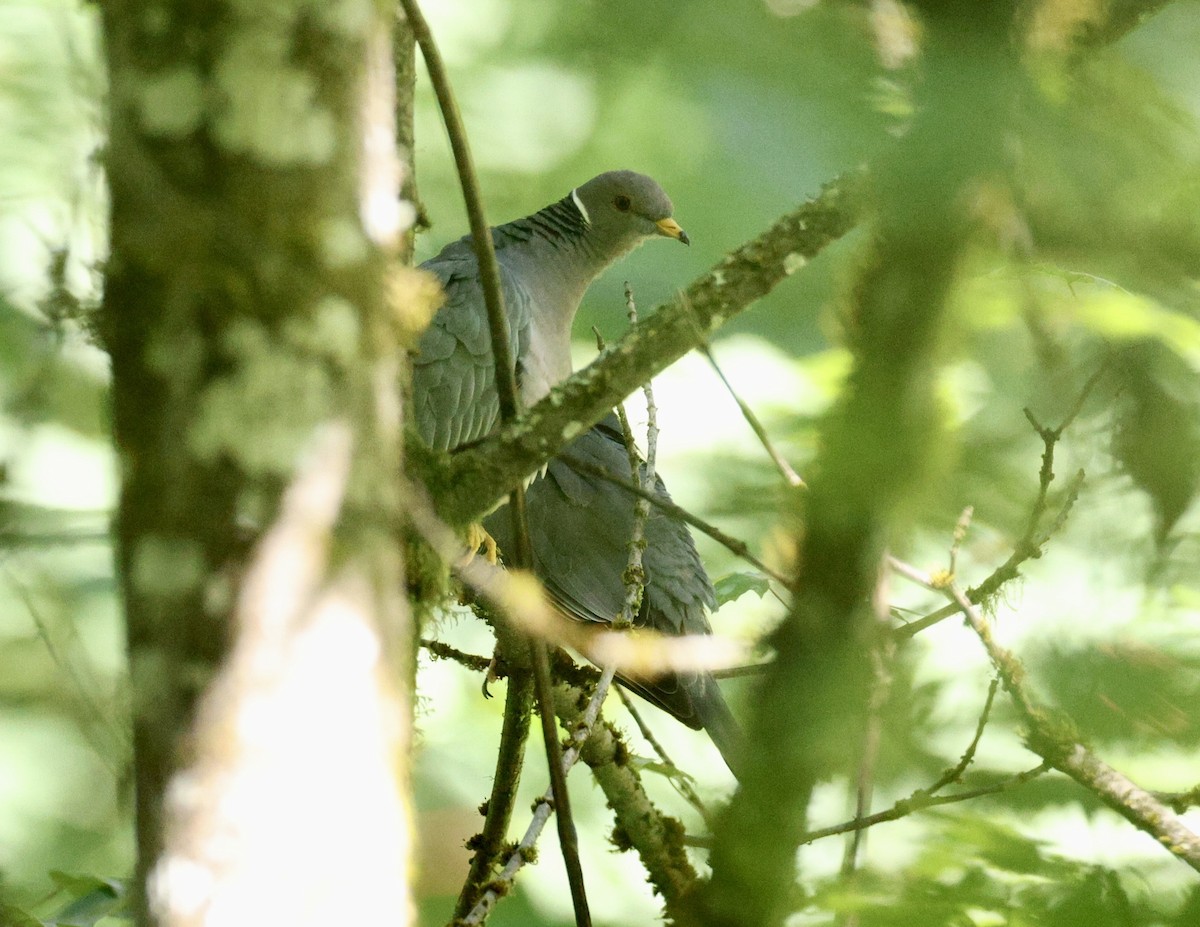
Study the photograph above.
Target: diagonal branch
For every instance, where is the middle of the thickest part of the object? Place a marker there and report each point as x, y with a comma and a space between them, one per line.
476, 477
640, 825
790, 476
923, 799
1061, 750
1053, 738
734, 545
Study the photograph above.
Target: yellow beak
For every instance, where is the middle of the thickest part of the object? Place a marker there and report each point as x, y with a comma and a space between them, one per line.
671, 229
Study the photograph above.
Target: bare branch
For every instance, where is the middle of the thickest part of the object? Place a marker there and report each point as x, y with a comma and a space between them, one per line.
510, 404
441, 651
1031, 543
1180, 801
882, 654
681, 783
481, 236
510, 755
955, 772
920, 801
1055, 740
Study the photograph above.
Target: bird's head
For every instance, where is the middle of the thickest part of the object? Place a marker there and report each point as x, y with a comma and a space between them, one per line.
624, 208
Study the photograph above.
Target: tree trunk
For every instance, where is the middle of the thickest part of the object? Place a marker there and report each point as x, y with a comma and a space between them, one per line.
251, 315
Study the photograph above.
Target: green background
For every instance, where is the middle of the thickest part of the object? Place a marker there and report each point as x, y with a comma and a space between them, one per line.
741, 110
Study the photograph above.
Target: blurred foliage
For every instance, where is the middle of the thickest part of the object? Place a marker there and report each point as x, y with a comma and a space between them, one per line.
1157, 439
976, 873
741, 110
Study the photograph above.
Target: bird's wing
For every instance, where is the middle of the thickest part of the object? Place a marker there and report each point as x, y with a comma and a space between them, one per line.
580, 528
678, 590
454, 377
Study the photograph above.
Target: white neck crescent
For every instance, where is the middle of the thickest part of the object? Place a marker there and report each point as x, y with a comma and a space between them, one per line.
579, 205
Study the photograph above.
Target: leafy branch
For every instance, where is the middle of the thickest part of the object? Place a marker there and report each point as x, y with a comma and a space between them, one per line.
1031, 543
1055, 740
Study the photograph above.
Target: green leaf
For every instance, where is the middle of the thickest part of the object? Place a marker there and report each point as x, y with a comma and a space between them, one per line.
94, 899
76, 884
735, 585
1157, 439
12, 916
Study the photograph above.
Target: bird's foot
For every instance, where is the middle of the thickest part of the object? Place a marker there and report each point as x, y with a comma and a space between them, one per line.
492, 675
477, 537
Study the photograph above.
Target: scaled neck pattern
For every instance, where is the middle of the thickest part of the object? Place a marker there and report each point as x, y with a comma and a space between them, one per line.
553, 253
562, 225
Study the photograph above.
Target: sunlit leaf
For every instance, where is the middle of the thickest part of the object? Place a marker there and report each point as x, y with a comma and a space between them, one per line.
735, 585
94, 900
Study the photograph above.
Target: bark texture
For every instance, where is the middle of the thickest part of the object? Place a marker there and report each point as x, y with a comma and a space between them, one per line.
253, 318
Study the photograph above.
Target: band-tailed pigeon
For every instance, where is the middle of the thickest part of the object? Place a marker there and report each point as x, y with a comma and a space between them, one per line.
580, 526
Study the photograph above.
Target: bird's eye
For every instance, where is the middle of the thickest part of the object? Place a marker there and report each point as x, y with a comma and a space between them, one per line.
623, 203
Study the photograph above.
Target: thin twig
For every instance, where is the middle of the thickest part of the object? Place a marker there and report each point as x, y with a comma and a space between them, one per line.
441, 651
954, 773
556, 762
1050, 438
112, 745
881, 686
919, 802
681, 783
790, 476
1007, 571
928, 797
1180, 802
960, 535
481, 236
732, 544
506, 388
634, 576
1053, 739
489, 842
1031, 542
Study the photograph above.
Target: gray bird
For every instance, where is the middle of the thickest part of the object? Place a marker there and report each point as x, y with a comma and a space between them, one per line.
580, 526
547, 261
579, 529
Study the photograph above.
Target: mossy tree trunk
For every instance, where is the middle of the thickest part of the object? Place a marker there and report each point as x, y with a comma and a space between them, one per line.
877, 449
254, 324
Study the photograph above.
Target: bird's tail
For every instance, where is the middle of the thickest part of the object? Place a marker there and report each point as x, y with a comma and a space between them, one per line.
723, 729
